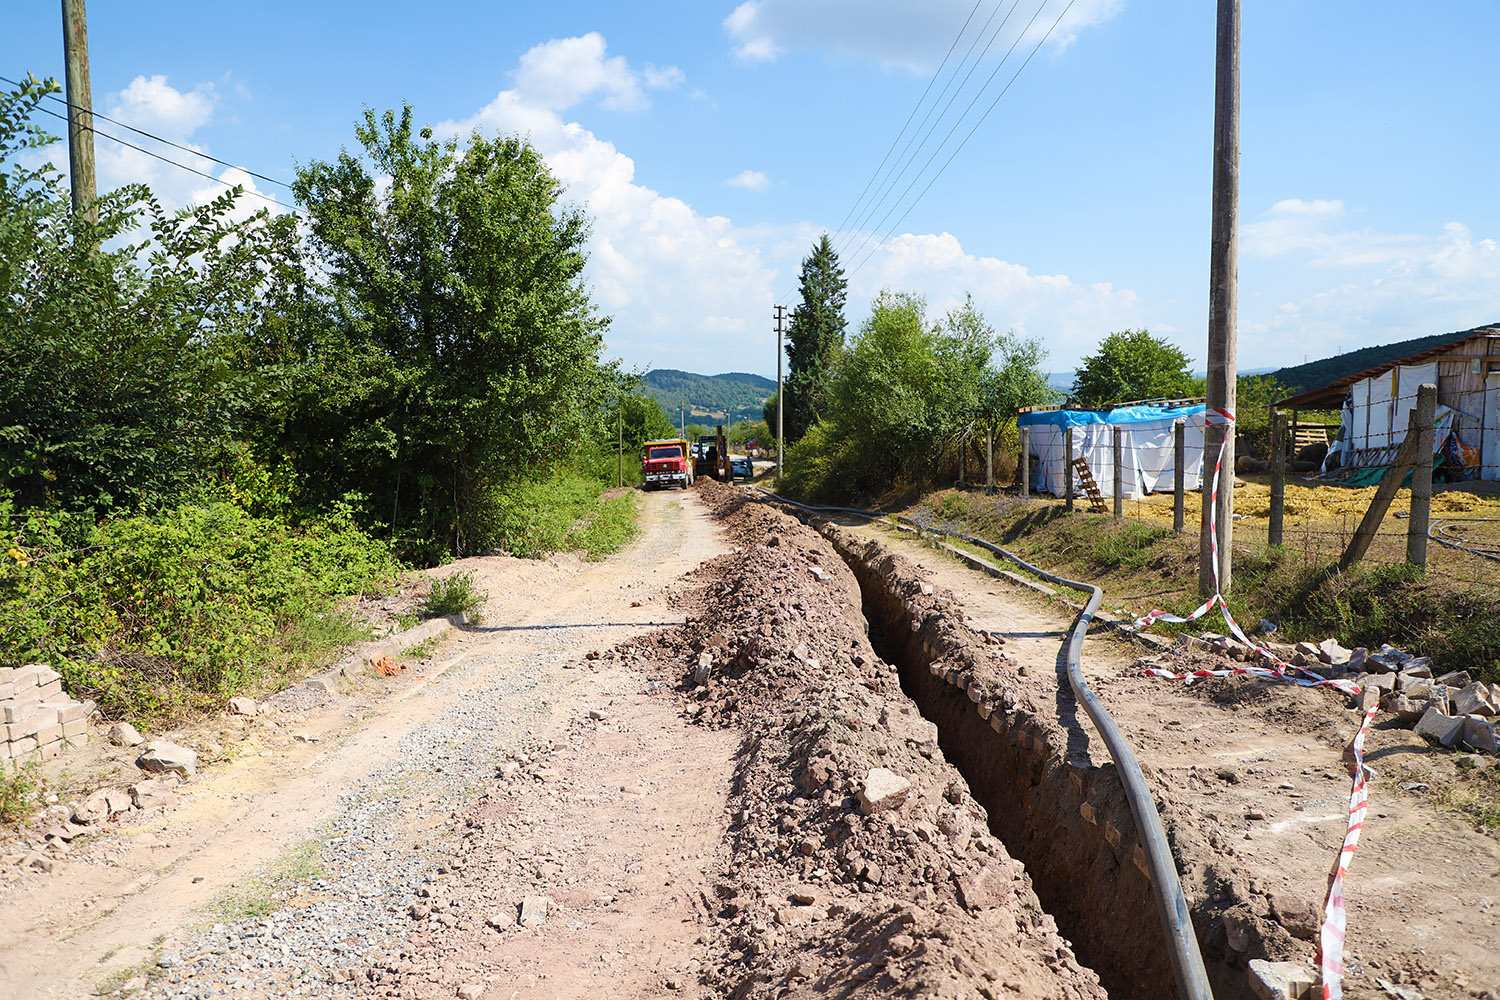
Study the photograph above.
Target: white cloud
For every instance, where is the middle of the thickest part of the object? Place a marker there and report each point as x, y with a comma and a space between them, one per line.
750, 180
696, 292
558, 74
1394, 286
897, 33
150, 104
1067, 316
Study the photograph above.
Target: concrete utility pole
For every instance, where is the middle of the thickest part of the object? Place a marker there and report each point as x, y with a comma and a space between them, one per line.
780, 399
80, 110
1222, 278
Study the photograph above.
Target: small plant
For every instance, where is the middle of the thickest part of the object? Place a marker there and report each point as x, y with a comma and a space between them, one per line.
20, 791
455, 593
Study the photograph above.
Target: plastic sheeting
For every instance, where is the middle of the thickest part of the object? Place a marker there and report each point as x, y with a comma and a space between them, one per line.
1145, 447
1377, 413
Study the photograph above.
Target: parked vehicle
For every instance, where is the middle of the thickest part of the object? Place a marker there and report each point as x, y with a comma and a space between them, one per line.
740, 467
665, 462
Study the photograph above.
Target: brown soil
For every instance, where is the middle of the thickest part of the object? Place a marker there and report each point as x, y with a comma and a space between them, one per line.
709, 839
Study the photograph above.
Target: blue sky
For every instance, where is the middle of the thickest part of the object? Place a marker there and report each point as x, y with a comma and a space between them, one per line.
713, 142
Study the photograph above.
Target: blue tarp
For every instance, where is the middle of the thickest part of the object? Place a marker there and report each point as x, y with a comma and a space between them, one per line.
1119, 415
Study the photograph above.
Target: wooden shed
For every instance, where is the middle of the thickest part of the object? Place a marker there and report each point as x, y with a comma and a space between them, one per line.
1375, 405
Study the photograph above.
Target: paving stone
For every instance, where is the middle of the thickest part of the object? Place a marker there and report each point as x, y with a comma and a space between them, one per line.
152, 794
533, 911
1473, 700
123, 734
1480, 734
162, 756
1455, 679
243, 706
1281, 980
1439, 728
1333, 654
882, 790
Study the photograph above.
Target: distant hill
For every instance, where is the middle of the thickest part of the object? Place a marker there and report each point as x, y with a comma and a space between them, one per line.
1316, 374
726, 399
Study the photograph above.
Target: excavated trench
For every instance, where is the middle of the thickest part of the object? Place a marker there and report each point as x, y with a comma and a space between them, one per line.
1063, 817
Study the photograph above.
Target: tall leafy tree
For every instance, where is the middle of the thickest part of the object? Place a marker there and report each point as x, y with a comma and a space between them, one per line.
460, 348
1131, 365
814, 338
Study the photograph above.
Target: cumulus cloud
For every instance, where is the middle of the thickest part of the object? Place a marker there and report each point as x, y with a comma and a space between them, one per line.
561, 73
896, 33
1391, 286
696, 291
152, 105
750, 180
1069, 317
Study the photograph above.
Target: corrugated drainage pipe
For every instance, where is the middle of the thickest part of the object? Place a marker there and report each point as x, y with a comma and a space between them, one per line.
1177, 923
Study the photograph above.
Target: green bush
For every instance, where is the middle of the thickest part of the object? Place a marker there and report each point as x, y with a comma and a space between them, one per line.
153, 614
455, 594
535, 517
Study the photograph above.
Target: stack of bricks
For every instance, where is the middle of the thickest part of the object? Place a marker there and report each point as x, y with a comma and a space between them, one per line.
36, 719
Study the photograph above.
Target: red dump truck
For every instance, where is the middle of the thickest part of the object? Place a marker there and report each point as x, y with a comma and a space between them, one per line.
664, 462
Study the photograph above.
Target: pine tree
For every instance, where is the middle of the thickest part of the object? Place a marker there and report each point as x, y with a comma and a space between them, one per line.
814, 338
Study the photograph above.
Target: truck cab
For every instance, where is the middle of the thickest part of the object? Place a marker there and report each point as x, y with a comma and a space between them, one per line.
665, 462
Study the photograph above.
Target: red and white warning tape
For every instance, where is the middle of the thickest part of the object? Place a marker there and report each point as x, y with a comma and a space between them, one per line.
1335, 917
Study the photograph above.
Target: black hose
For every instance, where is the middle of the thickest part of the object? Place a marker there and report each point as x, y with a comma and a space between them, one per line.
1177, 923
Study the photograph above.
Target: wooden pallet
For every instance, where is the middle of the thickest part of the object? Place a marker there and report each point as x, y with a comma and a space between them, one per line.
1084, 476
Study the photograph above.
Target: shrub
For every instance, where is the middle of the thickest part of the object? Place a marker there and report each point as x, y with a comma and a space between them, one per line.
455, 594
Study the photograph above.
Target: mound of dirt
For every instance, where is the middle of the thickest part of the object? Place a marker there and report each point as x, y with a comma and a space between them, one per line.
856, 858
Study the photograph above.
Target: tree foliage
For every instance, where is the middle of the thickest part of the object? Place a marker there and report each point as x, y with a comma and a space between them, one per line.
451, 345
814, 338
1133, 365
122, 383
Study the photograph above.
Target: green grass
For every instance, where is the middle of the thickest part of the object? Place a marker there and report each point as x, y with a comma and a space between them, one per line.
564, 513
454, 594
261, 894
1140, 566
21, 790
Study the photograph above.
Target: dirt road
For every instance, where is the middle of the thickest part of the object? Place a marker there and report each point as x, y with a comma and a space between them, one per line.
359, 820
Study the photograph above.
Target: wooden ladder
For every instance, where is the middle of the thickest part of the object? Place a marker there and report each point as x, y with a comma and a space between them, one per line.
1084, 476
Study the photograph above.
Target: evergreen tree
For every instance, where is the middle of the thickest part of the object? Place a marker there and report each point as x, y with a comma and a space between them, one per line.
814, 338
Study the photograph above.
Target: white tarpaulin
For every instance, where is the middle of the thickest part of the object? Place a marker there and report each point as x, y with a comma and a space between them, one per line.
1379, 407
1145, 447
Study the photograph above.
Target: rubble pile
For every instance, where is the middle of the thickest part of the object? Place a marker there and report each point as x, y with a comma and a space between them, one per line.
857, 856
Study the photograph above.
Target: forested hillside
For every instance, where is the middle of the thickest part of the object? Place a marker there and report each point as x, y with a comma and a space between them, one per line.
727, 398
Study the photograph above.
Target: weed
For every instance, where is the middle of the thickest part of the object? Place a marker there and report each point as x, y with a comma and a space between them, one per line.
259, 896
408, 619
21, 789
423, 649
454, 594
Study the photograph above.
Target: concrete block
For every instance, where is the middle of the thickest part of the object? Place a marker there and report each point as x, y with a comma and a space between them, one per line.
1381, 682
49, 734
73, 730
49, 751
882, 790
1480, 734
69, 711
1473, 700
31, 725
1281, 980
29, 676
7, 689
1439, 728
1456, 679
19, 709
51, 689
22, 746
7, 675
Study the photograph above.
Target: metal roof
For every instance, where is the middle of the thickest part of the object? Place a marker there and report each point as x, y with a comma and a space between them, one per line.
1331, 396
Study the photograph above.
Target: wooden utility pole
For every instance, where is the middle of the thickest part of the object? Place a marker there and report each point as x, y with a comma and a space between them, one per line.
1222, 278
80, 110
621, 418
780, 397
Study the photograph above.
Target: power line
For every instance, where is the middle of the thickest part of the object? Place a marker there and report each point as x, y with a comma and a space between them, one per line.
957, 122
906, 160
1035, 49
179, 166
915, 108
157, 138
